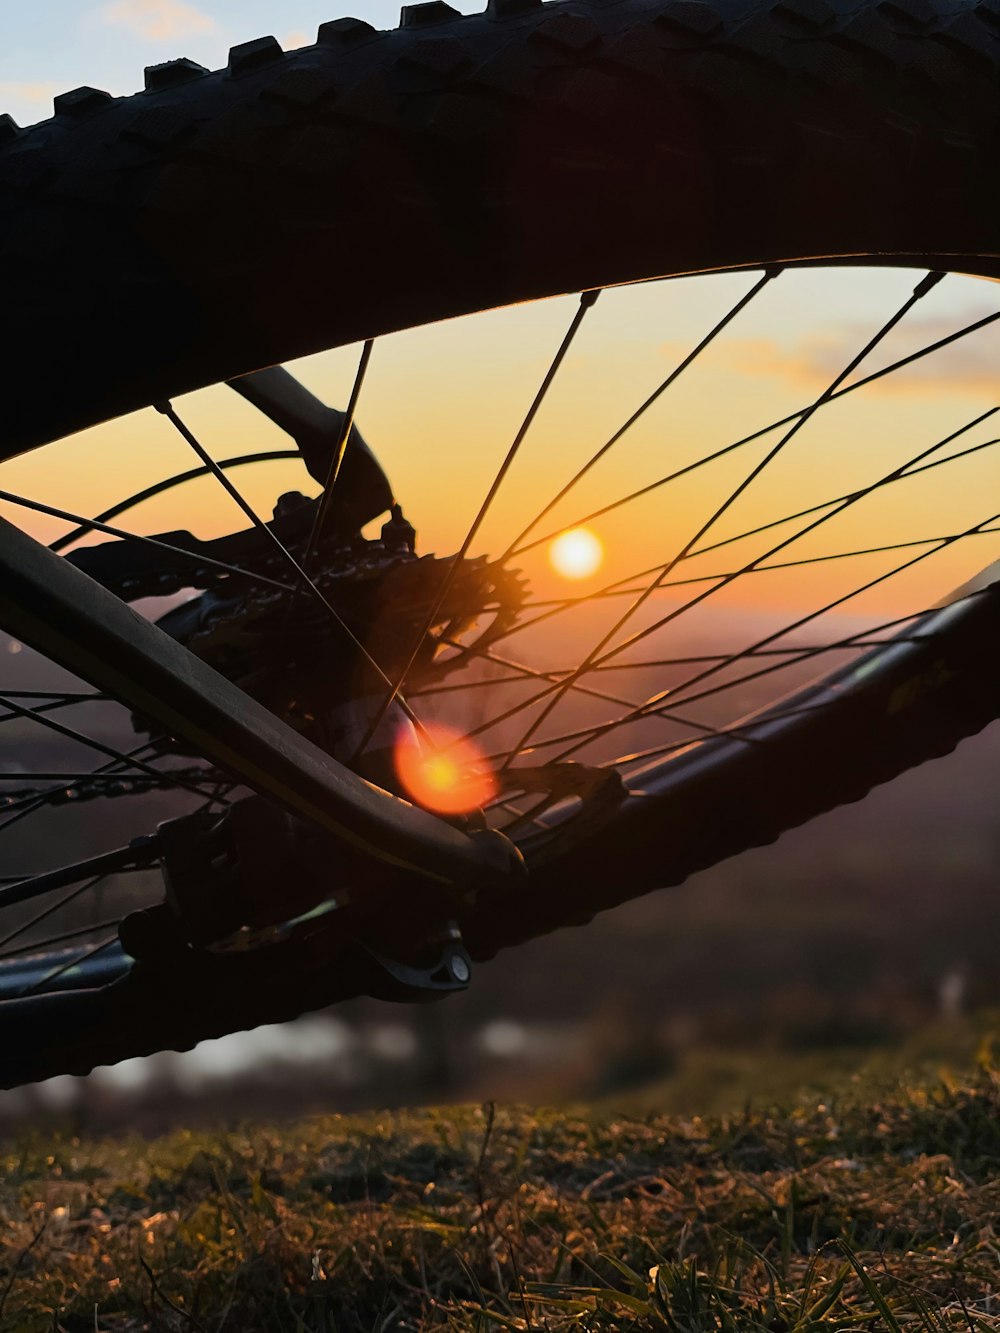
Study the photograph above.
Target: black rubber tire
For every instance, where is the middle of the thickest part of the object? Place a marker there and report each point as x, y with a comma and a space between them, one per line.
216, 223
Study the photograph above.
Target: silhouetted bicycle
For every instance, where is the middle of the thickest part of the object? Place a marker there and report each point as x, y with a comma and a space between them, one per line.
272, 789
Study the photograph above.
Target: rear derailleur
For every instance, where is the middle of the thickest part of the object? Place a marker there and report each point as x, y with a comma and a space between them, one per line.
256, 892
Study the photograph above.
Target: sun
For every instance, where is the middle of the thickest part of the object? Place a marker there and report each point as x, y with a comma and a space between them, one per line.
576, 554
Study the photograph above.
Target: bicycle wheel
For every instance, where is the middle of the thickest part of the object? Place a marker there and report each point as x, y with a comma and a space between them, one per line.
461, 164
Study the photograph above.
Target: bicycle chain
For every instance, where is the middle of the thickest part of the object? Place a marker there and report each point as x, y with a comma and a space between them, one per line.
384, 595
101, 785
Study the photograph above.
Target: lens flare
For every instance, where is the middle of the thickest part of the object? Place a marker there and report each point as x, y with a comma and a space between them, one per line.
576, 554
444, 771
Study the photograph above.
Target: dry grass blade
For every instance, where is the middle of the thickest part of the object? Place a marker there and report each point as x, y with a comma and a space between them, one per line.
871, 1210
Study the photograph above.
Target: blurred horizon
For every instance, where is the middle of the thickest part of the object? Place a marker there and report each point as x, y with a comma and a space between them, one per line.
851, 936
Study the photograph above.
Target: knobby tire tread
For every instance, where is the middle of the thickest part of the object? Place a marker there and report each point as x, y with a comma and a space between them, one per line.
219, 222
222, 221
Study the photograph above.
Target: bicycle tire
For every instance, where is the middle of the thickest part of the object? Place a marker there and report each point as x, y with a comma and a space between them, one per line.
461, 163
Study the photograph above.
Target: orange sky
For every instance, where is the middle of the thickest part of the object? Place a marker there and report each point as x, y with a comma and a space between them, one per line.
442, 404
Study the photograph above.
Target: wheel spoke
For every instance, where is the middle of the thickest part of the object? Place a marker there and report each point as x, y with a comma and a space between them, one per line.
142, 852
70, 734
112, 771
24, 809
51, 707
927, 350
199, 560
760, 652
651, 707
557, 606
521, 818
724, 581
735, 732
792, 657
64, 901
35, 946
641, 411
63, 778
752, 565
487, 682
587, 301
326, 499
765, 569
303, 579
525, 672
923, 287
535, 673
905, 474
64, 783
67, 696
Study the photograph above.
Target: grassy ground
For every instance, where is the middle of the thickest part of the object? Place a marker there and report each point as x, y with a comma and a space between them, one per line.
872, 1208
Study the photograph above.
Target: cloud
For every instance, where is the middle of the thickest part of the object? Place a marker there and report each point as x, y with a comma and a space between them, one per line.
158, 20
37, 94
970, 365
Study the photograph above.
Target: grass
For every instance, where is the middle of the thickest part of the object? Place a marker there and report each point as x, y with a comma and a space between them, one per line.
872, 1208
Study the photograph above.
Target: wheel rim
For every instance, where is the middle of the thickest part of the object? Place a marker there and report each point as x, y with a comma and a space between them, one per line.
967, 445
502, 162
